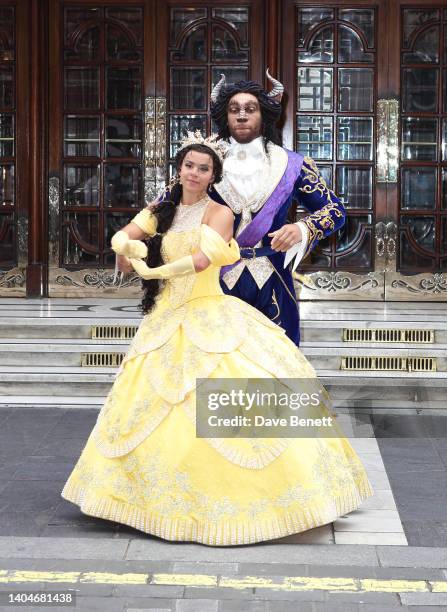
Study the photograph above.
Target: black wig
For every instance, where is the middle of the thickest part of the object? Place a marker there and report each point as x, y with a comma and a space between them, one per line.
270, 110
165, 212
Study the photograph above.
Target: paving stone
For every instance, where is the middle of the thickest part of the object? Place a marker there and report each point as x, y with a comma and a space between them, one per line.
401, 556
204, 605
19, 586
4, 482
274, 569
21, 609
409, 573
215, 569
233, 605
42, 468
319, 535
93, 604
19, 564
71, 448
93, 531
217, 593
88, 565
87, 590
369, 521
4, 413
9, 466
379, 479
376, 538
81, 423
289, 606
400, 459
424, 599
10, 445
32, 495
426, 533
270, 594
153, 609
146, 603
378, 599
304, 554
435, 425
364, 445
62, 548
332, 606
70, 515
149, 590
339, 607
432, 486
24, 523
381, 500
425, 608
394, 426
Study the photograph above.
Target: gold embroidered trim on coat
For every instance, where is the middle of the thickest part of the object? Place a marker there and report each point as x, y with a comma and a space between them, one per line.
322, 216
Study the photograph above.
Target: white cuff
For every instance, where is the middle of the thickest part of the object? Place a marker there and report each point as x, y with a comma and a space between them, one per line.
298, 249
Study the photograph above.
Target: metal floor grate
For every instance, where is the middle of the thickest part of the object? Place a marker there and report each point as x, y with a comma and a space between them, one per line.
413, 336
113, 332
386, 363
101, 360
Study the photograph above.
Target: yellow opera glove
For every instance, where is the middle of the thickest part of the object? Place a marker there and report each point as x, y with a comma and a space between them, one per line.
123, 245
184, 265
146, 221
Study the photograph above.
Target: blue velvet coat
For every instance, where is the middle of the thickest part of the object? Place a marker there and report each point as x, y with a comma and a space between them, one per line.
276, 298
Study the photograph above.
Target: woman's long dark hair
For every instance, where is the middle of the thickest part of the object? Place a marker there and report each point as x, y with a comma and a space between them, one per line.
165, 212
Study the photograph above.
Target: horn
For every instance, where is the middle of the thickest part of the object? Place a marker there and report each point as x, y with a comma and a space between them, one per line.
216, 89
278, 87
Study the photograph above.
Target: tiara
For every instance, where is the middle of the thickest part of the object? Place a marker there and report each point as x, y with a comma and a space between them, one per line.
219, 146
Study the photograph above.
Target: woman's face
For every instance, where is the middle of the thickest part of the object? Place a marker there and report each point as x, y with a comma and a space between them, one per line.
196, 172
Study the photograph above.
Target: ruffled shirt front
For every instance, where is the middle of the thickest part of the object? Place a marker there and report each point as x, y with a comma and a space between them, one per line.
246, 167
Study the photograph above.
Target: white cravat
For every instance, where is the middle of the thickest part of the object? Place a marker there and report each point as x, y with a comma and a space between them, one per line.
244, 166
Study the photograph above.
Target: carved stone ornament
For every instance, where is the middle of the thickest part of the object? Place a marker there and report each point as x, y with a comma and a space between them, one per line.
340, 285
98, 279
436, 284
12, 278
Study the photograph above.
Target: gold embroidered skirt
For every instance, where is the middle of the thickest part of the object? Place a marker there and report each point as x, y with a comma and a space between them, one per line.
143, 465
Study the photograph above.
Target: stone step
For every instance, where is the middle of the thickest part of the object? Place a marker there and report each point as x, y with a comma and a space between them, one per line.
55, 381
365, 389
49, 353
56, 327
314, 331
324, 355
51, 401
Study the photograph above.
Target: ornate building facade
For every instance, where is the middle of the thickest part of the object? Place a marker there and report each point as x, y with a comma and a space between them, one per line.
95, 96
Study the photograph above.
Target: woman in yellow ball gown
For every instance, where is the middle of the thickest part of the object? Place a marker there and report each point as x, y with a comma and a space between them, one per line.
143, 464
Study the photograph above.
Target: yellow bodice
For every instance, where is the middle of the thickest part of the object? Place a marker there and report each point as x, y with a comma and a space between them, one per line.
181, 289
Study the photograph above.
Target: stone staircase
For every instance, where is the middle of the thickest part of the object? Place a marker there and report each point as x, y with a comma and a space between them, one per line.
46, 346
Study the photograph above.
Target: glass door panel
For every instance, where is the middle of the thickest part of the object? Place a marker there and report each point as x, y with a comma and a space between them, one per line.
96, 179
204, 43
128, 81
333, 89
13, 229
418, 205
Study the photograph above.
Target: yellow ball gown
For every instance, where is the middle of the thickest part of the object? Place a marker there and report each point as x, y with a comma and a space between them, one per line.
143, 465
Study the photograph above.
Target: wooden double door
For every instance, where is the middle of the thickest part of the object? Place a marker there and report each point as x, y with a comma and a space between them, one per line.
119, 83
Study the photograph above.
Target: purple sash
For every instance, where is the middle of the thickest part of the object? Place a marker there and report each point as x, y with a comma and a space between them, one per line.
261, 224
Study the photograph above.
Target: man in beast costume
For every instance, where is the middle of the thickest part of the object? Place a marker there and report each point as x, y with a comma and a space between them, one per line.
260, 181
